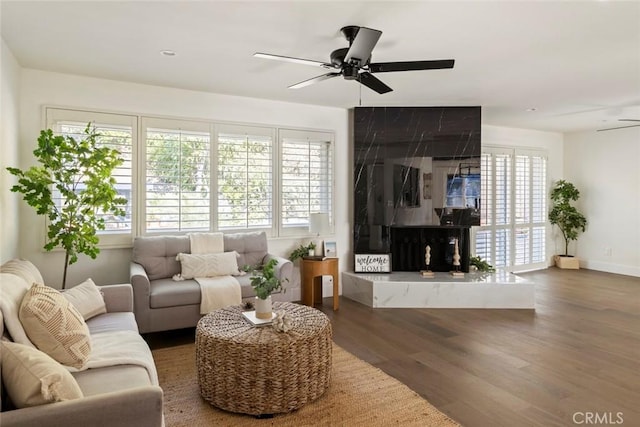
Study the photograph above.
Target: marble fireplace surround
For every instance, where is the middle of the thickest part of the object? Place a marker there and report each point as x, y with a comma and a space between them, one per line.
409, 290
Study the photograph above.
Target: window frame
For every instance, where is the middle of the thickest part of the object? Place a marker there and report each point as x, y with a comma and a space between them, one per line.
513, 224
140, 122
314, 135
53, 115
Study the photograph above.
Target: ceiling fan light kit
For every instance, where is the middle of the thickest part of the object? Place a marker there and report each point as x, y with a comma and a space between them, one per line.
353, 63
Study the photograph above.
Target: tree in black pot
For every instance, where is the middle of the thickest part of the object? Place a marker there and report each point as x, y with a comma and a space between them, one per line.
568, 219
73, 187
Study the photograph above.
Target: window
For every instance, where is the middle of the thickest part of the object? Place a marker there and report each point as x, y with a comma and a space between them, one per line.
177, 180
181, 176
306, 177
513, 227
116, 131
245, 177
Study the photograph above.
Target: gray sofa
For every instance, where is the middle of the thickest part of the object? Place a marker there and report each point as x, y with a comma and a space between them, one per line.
161, 304
117, 395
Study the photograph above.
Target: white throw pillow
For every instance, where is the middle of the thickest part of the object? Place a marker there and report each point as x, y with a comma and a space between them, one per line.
12, 290
86, 298
32, 378
208, 265
55, 326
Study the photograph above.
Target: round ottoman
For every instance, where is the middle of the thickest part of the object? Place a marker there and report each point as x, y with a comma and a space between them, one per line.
257, 370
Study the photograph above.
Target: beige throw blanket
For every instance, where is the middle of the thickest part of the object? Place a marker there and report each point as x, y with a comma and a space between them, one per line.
218, 292
120, 348
215, 292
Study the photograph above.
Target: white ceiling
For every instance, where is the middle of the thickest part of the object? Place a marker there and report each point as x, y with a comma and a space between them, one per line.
577, 63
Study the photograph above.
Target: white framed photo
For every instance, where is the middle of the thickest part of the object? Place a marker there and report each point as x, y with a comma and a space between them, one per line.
330, 249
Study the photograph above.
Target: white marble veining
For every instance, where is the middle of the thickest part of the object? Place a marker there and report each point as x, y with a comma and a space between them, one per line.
410, 290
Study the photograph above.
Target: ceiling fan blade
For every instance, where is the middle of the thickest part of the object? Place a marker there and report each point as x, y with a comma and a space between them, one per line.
386, 67
291, 59
373, 83
360, 50
314, 80
628, 120
619, 127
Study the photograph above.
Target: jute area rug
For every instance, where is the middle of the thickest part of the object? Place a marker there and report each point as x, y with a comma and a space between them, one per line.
359, 395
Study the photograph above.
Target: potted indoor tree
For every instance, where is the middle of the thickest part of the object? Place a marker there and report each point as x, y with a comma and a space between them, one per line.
72, 187
264, 281
568, 219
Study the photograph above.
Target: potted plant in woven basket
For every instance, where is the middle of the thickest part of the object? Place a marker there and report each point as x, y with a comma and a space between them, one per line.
265, 282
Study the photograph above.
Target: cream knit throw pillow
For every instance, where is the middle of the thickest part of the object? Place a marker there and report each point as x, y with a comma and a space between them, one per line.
54, 326
32, 378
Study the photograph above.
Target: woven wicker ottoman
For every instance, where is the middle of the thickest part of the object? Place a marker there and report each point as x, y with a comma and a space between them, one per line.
258, 370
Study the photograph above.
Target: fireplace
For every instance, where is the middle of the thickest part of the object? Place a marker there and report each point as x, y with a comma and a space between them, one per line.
408, 247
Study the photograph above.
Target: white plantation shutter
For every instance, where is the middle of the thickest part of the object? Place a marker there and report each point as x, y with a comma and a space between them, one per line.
513, 225
177, 179
245, 177
530, 194
116, 131
306, 177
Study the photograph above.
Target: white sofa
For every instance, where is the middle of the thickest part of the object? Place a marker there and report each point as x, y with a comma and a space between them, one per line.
114, 395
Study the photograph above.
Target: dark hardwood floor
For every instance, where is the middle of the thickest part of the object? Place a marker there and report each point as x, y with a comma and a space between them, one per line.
575, 359
577, 353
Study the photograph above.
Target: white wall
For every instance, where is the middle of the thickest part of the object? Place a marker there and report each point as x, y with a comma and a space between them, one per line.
605, 167
112, 265
552, 142
38, 88
9, 102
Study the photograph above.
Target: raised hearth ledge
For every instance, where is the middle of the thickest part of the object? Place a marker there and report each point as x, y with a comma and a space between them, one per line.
409, 290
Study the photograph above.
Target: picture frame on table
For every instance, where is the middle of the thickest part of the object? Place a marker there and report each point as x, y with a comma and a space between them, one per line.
330, 249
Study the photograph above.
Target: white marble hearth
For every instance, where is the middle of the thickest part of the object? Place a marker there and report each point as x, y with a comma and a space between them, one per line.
410, 290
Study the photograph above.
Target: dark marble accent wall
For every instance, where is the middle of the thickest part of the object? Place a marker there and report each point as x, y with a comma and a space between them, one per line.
413, 166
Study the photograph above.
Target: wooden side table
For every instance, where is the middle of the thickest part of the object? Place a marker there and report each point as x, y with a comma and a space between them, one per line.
311, 272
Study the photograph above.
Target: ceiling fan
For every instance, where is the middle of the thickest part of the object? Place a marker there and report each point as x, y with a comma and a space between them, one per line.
623, 127
353, 63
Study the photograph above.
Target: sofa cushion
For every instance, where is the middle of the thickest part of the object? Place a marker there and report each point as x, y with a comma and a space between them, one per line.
208, 265
108, 322
55, 326
12, 290
169, 293
111, 378
33, 378
251, 247
86, 298
23, 268
157, 254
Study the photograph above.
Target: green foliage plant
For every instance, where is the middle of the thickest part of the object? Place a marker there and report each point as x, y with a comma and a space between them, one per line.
568, 219
265, 281
301, 251
80, 171
481, 264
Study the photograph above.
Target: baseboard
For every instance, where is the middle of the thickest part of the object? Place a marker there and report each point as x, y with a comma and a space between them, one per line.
610, 268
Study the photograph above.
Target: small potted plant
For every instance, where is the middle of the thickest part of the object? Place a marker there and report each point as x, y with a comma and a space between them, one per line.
302, 251
568, 219
265, 282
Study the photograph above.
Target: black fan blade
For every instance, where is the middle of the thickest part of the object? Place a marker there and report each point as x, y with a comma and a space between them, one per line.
628, 120
314, 80
387, 67
373, 83
294, 60
360, 50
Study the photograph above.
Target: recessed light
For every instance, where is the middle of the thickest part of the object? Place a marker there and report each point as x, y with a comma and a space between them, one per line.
532, 109
168, 52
